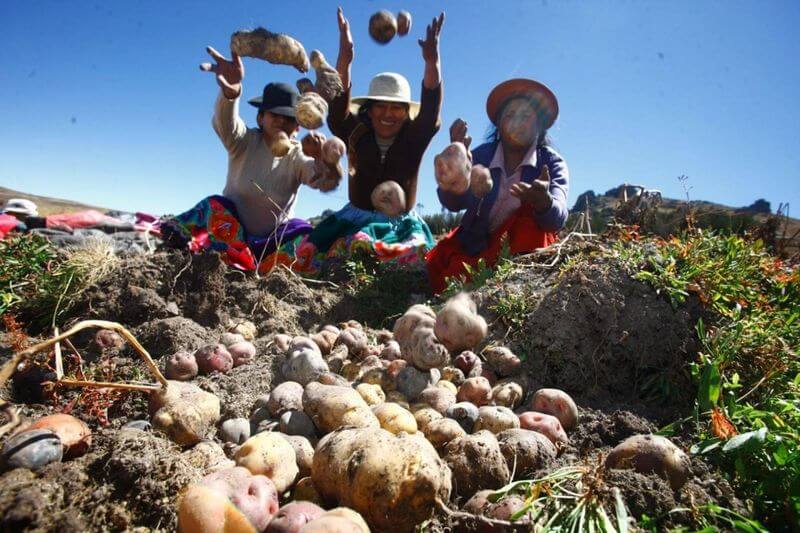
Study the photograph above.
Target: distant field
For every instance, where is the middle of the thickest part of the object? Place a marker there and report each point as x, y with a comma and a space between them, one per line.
46, 205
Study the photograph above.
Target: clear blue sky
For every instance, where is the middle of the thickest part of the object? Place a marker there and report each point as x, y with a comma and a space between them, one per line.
103, 102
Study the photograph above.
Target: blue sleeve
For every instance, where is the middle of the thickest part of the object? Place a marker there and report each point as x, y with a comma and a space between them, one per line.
555, 218
452, 201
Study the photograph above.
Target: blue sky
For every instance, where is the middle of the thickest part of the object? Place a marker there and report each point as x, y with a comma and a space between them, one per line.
103, 102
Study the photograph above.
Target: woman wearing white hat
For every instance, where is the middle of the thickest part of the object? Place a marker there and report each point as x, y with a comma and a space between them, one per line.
386, 134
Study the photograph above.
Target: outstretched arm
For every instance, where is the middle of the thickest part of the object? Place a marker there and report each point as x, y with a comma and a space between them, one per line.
430, 53
227, 123
345, 49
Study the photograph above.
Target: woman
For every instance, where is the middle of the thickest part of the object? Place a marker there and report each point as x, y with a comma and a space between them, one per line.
253, 216
527, 204
386, 135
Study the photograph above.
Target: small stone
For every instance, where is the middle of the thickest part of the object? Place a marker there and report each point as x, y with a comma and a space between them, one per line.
298, 423
236, 430
32, 449
142, 425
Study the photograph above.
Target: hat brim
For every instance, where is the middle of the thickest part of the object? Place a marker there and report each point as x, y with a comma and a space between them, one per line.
286, 111
19, 211
528, 89
356, 103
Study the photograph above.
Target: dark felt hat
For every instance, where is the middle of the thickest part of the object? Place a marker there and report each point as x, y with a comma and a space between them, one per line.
278, 98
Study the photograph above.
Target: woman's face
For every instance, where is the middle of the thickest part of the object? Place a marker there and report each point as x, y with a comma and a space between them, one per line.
519, 124
387, 117
272, 123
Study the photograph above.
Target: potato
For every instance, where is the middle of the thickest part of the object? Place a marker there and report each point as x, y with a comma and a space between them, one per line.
505, 509
325, 340
454, 376
481, 370
282, 341
652, 453
465, 413
107, 340
448, 386
337, 360
331, 407
480, 181
398, 398
390, 351
254, 496
75, 435
393, 371
288, 396
382, 26
329, 83
184, 412
303, 86
441, 432
269, 454
213, 358
339, 520
502, 360
394, 418
389, 198
411, 381
465, 361
246, 329
458, 326
475, 390
329, 378
243, 353
207, 456
403, 22
298, 423
311, 110
304, 364
356, 341
181, 366
304, 490
508, 394
495, 418
526, 451
393, 480
414, 316
476, 463
547, 425
425, 416
438, 398
424, 350
479, 501
294, 515
303, 452
276, 48
280, 144
452, 168
372, 394
557, 403
204, 509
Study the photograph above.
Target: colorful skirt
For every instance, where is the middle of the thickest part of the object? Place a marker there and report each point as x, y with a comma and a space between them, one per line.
213, 224
448, 258
402, 240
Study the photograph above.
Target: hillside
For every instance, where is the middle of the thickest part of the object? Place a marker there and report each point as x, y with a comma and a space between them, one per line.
46, 204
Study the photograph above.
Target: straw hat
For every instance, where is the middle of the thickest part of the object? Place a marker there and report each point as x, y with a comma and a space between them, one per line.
534, 91
387, 87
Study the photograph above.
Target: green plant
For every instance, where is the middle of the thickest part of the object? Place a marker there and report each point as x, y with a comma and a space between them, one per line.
512, 309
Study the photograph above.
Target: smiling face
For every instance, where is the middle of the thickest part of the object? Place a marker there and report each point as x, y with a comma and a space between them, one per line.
518, 124
387, 118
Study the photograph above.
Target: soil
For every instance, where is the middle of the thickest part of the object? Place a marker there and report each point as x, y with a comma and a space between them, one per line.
611, 342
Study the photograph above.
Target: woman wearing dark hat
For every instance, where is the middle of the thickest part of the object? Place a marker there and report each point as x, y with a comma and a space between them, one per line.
527, 203
266, 166
386, 134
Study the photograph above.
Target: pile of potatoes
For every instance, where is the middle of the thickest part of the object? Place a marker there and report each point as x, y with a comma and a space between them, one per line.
390, 426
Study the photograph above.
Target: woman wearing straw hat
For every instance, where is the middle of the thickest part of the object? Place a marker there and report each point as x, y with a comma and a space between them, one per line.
386, 134
527, 204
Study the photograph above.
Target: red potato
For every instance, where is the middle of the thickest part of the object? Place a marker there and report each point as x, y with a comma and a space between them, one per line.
243, 353
389, 198
545, 424
382, 27
329, 378
285, 397
293, 516
75, 435
228, 338
181, 366
213, 358
505, 509
452, 168
652, 453
390, 351
255, 496
403, 23
282, 341
476, 390
382, 336
482, 370
108, 340
480, 181
424, 350
333, 149
304, 363
479, 501
502, 360
339, 520
557, 403
204, 509
458, 326
465, 361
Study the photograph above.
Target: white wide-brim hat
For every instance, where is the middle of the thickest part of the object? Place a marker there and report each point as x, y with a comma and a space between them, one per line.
387, 87
20, 206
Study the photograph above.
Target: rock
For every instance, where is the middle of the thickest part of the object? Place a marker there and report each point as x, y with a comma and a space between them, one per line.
213, 358
141, 425
181, 366
235, 430
465, 413
75, 435
298, 423
32, 449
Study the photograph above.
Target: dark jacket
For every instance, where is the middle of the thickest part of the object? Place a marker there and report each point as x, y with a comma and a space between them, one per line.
474, 229
403, 158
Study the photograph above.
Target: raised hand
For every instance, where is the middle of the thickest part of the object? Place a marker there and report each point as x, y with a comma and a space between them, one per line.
536, 194
230, 73
458, 132
346, 49
430, 46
